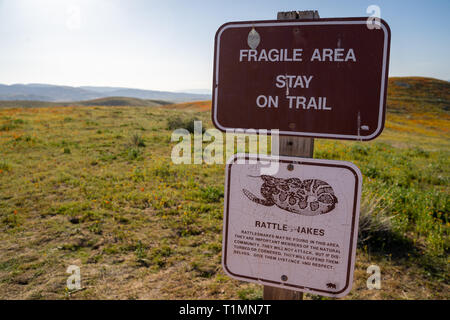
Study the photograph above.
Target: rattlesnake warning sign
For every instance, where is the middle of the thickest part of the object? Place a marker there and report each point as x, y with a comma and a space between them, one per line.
295, 229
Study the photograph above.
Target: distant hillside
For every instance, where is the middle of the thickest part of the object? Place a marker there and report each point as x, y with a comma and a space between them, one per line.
122, 101
149, 94
42, 92
191, 106
110, 101
53, 93
417, 94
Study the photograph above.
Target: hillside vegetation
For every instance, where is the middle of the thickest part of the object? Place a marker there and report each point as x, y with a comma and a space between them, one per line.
94, 186
110, 101
418, 95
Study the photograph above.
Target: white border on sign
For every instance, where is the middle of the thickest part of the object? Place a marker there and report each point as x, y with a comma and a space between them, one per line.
305, 134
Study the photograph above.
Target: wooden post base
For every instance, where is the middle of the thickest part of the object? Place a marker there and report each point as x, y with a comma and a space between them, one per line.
272, 293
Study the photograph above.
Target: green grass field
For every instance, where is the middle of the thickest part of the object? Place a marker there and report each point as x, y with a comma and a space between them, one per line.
95, 187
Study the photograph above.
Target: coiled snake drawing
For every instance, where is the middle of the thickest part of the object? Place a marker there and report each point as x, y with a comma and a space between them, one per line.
309, 197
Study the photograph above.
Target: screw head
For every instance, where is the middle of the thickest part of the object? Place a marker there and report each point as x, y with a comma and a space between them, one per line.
284, 278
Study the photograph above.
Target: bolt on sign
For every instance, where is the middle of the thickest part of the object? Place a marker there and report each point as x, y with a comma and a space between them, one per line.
323, 78
296, 229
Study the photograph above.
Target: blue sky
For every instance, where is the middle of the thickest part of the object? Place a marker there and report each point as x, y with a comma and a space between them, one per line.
168, 45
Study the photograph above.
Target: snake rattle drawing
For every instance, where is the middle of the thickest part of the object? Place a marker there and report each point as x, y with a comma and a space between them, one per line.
309, 197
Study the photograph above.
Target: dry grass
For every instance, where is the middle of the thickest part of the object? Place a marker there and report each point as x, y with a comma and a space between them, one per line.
375, 217
197, 106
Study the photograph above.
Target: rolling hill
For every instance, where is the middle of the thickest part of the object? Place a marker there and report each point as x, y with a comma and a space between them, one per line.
55, 93
418, 94
109, 101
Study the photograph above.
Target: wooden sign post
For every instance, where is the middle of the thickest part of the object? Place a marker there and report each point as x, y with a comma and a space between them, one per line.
308, 78
292, 146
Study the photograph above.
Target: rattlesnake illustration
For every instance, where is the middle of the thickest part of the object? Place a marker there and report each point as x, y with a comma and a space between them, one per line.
309, 197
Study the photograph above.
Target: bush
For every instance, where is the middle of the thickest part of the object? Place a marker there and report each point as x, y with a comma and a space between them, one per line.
418, 152
178, 123
371, 171
5, 166
133, 153
359, 150
211, 194
159, 255
137, 141
374, 221
11, 124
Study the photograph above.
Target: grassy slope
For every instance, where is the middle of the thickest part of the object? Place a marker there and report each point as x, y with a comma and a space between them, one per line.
418, 113
75, 188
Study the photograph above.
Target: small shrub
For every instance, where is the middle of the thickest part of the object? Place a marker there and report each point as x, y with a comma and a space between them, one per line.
204, 270
164, 171
17, 121
140, 251
95, 228
91, 123
159, 255
418, 152
133, 153
174, 123
211, 194
11, 221
179, 123
371, 171
5, 127
374, 221
215, 247
361, 150
71, 209
11, 124
106, 156
5, 166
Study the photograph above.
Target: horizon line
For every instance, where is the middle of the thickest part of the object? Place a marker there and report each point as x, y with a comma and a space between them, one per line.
173, 91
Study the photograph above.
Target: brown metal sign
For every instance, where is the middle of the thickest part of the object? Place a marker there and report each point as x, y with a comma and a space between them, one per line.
323, 78
295, 228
